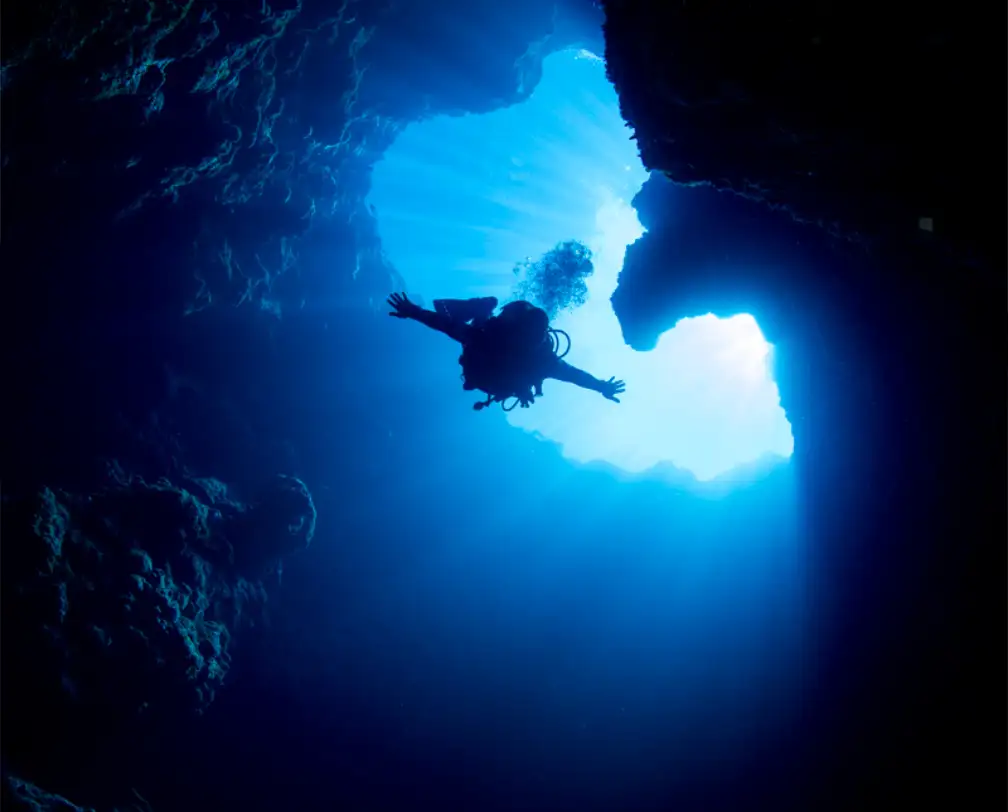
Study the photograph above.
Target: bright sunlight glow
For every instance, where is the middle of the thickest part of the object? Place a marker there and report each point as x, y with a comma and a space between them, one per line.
460, 200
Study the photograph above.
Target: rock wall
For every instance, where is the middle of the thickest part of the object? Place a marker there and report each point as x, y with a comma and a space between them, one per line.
124, 604
827, 190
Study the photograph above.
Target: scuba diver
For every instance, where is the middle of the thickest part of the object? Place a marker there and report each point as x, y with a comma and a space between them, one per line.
508, 355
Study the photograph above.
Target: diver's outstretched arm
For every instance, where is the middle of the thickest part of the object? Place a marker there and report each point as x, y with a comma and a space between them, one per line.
403, 308
475, 310
563, 371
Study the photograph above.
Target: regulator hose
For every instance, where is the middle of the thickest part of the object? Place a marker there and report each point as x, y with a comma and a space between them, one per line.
554, 335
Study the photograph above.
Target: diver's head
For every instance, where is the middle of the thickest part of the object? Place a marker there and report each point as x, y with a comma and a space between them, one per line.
532, 321
517, 309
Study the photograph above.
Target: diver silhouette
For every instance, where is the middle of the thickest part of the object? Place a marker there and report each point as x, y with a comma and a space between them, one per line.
508, 355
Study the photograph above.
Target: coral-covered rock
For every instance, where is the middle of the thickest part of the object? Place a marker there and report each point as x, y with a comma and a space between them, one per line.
138, 589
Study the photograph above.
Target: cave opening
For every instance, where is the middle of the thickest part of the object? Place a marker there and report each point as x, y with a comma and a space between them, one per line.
460, 200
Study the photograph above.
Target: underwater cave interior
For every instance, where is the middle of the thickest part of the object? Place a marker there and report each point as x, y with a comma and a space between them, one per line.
258, 551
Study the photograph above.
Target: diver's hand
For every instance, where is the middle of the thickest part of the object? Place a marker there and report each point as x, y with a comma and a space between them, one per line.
611, 388
526, 398
402, 307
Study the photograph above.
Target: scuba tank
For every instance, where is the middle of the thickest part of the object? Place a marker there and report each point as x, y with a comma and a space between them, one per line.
504, 360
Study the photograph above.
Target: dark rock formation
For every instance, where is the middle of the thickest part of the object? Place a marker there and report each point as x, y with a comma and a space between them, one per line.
235, 141
886, 305
127, 600
861, 122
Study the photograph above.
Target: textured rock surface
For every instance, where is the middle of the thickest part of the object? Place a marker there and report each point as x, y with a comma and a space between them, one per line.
127, 600
261, 122
862, 122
